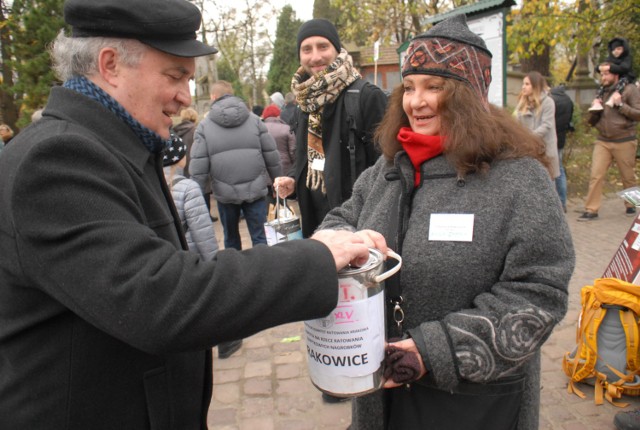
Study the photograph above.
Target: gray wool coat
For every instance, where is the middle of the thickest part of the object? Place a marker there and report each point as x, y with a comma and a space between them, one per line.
478, 310
233, 148
543, 124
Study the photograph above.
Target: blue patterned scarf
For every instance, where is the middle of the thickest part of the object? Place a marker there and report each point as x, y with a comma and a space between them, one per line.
149, 138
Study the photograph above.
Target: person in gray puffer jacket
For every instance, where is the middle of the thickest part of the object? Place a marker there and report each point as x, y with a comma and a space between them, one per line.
190, 204
463, 194
234, 150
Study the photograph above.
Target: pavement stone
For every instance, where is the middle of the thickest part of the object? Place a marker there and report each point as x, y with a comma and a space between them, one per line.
266, 384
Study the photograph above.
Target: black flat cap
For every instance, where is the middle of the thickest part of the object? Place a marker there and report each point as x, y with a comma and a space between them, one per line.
167, 25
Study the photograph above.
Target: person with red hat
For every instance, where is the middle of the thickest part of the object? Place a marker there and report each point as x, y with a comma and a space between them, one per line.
282, 134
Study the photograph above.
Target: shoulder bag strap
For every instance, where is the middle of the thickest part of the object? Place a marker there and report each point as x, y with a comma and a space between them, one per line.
352, 106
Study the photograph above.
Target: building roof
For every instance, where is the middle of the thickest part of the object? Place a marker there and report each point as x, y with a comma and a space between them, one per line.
482, 6
386, 55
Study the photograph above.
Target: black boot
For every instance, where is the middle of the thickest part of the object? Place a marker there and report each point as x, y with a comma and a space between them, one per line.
328, 398
627, 420
225, 349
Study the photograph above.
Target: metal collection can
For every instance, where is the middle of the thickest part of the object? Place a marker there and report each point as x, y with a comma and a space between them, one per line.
284, 227
345, 350
282, 230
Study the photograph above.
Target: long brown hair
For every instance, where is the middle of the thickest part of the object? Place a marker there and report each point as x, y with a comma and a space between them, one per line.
475, 136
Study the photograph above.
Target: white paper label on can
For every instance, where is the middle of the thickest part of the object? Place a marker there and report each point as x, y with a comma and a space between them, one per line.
350, 340
271, 235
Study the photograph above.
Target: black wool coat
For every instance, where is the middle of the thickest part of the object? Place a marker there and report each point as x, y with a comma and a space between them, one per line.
105, 321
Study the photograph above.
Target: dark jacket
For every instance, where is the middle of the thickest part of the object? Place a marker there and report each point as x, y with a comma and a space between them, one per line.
186, 130
622, 65
234, 150
287, 114
105, 322
564, 113
335, 138
618, 124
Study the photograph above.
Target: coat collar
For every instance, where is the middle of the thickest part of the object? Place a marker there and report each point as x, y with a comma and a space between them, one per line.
107, 128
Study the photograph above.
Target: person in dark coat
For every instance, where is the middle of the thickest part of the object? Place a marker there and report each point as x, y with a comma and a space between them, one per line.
288, 111
620, 62
326, 167
564, 114
106, 319
323, 174
185, 129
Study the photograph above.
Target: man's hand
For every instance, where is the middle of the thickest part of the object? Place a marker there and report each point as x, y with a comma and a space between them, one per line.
284, 186
346, 247
616, 98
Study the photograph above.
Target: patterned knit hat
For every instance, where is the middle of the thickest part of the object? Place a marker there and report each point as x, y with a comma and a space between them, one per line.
175, 152
450, 50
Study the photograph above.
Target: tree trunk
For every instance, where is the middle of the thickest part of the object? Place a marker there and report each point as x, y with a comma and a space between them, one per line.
8, 108
537, 62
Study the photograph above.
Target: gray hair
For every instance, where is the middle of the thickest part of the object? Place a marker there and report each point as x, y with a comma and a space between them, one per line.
289, 98
78, 56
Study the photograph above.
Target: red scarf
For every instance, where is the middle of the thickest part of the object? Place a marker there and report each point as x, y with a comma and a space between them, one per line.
419, 148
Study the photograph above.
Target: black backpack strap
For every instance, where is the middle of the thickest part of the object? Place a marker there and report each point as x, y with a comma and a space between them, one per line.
352, 107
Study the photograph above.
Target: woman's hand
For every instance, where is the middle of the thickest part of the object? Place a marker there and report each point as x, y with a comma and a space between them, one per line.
373, 239
403, 347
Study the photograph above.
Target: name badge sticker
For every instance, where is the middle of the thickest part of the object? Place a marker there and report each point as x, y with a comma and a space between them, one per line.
451, 227
318, 164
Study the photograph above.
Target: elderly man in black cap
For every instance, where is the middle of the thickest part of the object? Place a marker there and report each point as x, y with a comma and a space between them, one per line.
106, 320
334, 125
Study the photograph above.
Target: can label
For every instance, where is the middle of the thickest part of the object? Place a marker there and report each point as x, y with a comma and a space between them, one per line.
350, 340
277, 232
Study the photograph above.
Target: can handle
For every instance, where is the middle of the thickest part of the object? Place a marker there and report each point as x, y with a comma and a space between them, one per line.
278, 204
389, 273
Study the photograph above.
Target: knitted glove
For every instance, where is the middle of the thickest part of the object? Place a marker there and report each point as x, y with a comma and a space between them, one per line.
400, 366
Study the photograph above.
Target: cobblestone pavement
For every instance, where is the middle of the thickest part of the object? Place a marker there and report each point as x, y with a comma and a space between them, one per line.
265, 385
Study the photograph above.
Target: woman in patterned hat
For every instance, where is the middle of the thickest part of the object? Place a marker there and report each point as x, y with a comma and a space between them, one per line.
462, 192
